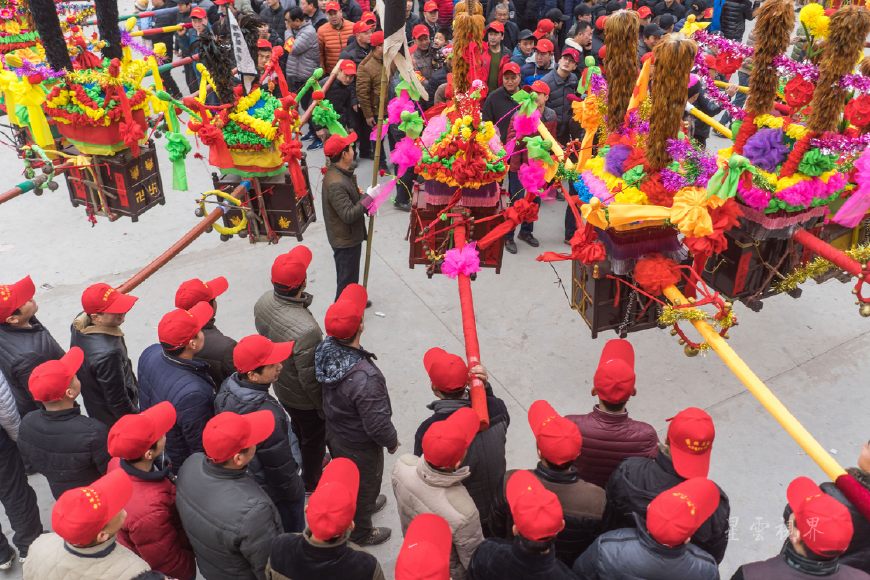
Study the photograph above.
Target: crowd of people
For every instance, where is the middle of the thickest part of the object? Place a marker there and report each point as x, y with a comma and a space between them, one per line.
264, 458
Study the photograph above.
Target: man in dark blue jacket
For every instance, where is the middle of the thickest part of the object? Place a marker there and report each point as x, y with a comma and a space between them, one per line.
169, 372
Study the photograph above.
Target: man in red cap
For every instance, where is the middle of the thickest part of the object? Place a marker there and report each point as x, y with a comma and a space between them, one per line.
558, 441
332, 37
188, 45
449, 377
85, 521
323, 549
283, 315
430, 17
423, 56
820, 531
258, 363
684, 455
433, 484
218, 348
357, 407
658, 548
425, 553
368, 91
68, 448
169, 371
609, 434
108, 384
152, 528
342, 94
493, 56
24, 343
360, 44
229, 519
541, 64
538, 519
499, 106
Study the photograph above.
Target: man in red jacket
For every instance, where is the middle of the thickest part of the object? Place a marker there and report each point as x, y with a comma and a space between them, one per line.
609, 434
152, 529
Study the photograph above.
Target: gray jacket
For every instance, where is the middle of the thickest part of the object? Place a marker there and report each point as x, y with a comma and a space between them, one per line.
229, 519
305, 55
282, 319
558, 101
10, 420
343, 214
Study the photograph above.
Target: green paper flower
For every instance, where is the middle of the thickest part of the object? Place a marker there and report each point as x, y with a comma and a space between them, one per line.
527, 101
539, 149
814, 163
634, 175
412, 124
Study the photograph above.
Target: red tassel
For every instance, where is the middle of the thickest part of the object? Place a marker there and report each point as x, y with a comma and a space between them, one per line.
655, 272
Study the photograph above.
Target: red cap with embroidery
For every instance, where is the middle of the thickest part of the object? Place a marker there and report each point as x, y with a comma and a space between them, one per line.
180, 326
192, 292
332, 505
377, 38
103, 299
290, 269
545, 27
544, 45
362, 26
676, 514
336, 143
134, 434
644, 12
256, 351
495, 25
81, 513
445, 442
430, 6
425, 553
348, 67
538, 86
332, 7
448, 372
14, 296
228, 433
614, 378
50, 380
824, 523
510, 67
345, 315
419, 30
264, 44
558, 438
536, 510
197, 13
690, 436
369, 16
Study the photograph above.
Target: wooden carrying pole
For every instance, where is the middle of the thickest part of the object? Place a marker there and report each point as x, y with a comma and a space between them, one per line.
375, 171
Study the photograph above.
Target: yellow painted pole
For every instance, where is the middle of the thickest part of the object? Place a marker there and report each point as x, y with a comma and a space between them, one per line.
698, 114
724, 85
761, 392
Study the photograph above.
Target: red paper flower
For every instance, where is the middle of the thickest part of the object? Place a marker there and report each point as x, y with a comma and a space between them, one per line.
798, 92
317, 95
655, 192
858, 111
655, 272
727, 63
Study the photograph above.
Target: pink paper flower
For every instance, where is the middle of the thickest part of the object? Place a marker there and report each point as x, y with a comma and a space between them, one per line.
525, 125
382, 196
531, 175
406, 155
597, 187
495, 144
397, 106
434, 128
755, 197
464, 262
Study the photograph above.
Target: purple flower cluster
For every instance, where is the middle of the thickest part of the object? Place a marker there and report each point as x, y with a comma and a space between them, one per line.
837, 143
597, 85
722, 44
678, 149
27, 69
789, 68
707, 166
672, 181
713, 92
857, 83
128, 40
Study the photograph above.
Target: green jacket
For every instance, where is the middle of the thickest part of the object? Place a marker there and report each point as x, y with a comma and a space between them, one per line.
343, 213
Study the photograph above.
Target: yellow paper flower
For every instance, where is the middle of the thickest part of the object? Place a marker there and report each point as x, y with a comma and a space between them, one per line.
796, 132
631, 195
689, 212
813, 17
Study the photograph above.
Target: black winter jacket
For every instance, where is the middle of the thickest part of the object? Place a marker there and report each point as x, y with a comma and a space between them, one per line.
789, 565
638, 480
354, 51
732, 21
560, 89
486, 454
187, 385
675, 9
582, 505
218, 353
68, 448
632, 553
497, 559
499, 108
343, 99
21, 351
273, 465
109, 387
296, 556
229, 519
356, 402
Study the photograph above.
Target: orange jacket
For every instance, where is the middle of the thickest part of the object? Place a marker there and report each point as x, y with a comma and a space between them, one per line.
332, 41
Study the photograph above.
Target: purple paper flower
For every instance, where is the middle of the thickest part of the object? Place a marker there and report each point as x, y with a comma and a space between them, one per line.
707, 166
789, 68
678, 149
765, 149
615, 159
672, 181
857, 83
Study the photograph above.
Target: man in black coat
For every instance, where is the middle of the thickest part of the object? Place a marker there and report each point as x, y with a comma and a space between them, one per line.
499, 106
108, 384
19, 502
272, 13
24, 341
686, 454
658, 548
323, 549
168, 39
342, 95
732, 20
449, 377
218, 348
258, 362
68, 448
672, 7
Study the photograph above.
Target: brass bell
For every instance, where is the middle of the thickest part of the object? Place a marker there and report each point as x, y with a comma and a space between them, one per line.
865, 310
691, 350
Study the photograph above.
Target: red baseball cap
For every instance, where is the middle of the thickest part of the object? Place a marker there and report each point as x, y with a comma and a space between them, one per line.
602, 52
676, 514
558, 438
348, 67
345, 315
572, 54
134, 434
362, 26
256, 350
644, 12
197, 13
430, 6
419, 30
264, 44
425, 553
377, 38
228, 433
495, 25
14, 296
600, 22
50, 380
290, 269
690, 436
536, 510
336, 143
445, 442
180, 326
614, 378
369, 16
545, 27
824, 523
332, 505
81, 513
192, 292
333, 7
103, 299
510, 67
538, 86
448, 372
544, 45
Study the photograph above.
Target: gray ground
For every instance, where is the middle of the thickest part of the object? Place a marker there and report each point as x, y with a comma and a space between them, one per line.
808, 351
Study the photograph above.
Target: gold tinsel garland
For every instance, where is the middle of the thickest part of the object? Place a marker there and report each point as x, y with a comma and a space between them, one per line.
818, 267
671, 316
